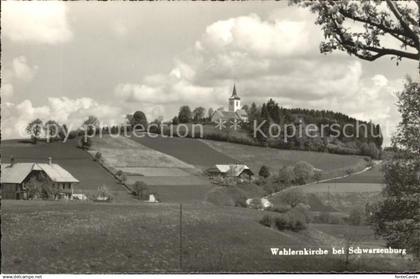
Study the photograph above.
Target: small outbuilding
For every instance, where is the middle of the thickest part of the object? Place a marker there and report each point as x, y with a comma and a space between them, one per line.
19, 179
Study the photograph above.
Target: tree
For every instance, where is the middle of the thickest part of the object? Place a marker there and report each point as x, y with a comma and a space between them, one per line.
85, 143
141, 190
293, 197
63, 131
98, 156
175, 120
396, 218
51, 128
304, 172
264, 171
34, 129
408, 133
138, 119
287, 175
198, 113
91, 124
210, 113
184, 114
378, 19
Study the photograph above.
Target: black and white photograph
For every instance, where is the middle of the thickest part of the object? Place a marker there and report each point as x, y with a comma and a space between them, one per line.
210, 137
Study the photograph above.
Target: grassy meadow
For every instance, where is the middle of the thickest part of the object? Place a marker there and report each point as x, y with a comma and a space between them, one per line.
254, 156
87, 237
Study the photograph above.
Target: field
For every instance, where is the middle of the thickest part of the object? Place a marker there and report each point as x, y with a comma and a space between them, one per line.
84, 237
170, 178
121, 152
255, 157
90, 174
343, 187
191, 151
373, 176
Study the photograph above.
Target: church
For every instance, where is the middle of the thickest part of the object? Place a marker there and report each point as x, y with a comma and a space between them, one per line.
235, 111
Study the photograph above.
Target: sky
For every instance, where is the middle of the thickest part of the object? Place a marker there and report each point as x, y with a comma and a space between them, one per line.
67, 60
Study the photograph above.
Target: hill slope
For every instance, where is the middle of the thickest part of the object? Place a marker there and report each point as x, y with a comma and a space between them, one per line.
83, 237
90, 174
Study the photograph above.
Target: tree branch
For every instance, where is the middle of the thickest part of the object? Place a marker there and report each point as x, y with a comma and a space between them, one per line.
393, 32
351, 47
394, 8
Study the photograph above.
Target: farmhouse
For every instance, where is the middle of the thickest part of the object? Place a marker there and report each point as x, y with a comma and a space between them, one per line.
20, 180
235, 111
232, 170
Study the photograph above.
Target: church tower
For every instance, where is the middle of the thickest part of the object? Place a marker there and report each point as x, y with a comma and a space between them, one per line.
234, 101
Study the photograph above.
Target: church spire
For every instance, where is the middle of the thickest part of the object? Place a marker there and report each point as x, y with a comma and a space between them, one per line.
234, 91
234, 94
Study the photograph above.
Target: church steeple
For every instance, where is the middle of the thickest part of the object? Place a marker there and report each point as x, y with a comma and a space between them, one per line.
234, 94
234, 101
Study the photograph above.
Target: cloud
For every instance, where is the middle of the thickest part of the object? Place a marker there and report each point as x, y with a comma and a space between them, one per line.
7, 90
275, 58
17, 72
42, 22
21, 69
72, 112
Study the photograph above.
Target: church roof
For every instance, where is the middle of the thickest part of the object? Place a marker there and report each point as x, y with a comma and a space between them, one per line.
227, 115
234, 94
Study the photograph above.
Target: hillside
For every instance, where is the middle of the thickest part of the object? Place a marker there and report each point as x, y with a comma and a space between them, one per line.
78, 162
83, 237
332, 165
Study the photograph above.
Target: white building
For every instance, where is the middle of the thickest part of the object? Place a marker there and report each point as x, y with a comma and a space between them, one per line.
235, 111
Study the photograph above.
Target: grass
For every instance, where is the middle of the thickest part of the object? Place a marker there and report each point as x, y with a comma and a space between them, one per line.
121, 152
255, 157
374, 176
343, 187
189, 150
77, 237
90, 174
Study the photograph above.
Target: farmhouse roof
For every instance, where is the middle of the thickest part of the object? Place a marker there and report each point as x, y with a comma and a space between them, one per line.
17, 172
232, 169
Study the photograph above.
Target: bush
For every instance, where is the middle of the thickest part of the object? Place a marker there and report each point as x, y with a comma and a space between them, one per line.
280, 208
304, 172
287, 175
281, 223
327, 218
141, 190
264, 171
297, 219
241, 201
266, 221
292, 197
98, 156
119, 173
85, 143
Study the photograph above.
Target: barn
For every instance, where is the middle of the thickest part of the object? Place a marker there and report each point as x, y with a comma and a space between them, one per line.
18, 180
239, 171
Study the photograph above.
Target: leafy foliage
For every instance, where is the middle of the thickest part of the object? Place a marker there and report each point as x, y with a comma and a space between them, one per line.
396, 218
304, 172
377, 18
264, 171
